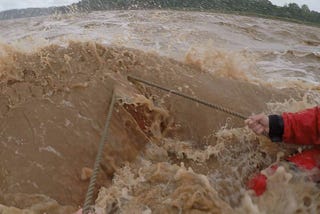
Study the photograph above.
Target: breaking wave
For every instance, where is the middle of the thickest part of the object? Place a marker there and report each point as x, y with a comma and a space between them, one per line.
164, 154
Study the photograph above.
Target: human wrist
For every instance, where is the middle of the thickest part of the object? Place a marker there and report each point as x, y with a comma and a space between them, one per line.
276, 128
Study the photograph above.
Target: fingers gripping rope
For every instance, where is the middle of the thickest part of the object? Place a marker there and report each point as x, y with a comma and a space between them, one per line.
211, 105
86, 207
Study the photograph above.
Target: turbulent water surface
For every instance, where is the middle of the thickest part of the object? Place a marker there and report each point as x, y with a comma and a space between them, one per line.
164, 154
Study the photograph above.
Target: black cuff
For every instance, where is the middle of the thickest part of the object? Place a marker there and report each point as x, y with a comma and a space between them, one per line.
276, 128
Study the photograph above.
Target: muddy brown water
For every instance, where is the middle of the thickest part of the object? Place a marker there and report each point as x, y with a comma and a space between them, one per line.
164, 154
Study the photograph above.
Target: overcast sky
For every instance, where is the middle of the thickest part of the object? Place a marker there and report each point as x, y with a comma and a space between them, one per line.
313, 4
13, 4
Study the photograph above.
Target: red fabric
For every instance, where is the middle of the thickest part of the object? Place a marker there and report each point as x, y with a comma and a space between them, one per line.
258, 183
302, 127
299, 128
307, 159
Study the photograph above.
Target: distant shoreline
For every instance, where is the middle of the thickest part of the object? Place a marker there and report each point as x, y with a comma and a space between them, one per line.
38, 12
248, 14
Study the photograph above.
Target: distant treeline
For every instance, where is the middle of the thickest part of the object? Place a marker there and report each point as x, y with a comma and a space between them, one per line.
290, 11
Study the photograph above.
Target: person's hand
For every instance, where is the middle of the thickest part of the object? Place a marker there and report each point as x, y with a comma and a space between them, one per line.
259, 124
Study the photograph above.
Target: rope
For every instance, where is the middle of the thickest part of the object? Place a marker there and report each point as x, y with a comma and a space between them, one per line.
211, 105
89, 195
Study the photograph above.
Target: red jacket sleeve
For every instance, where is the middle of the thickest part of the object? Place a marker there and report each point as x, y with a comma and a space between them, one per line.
302, 127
